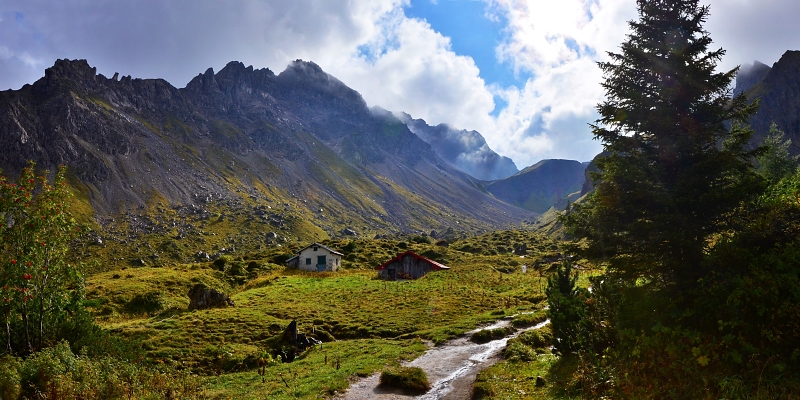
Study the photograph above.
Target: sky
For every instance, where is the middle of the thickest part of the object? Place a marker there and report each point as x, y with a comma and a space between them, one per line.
521, 72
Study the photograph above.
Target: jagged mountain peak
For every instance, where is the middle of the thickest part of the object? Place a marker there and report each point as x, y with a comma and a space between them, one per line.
463, 149
778, 92
301, 139
64, 68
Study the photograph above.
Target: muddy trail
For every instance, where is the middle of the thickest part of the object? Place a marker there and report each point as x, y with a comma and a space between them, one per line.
451, 368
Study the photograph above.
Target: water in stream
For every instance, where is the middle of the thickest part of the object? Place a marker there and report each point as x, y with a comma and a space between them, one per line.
451, 367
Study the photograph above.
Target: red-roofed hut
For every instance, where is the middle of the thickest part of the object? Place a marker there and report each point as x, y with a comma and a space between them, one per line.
408, 265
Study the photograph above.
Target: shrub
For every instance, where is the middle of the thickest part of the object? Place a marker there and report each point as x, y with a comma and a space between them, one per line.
146, 303
219, 264
487, 335
57, 372
518, 351
419, 239
413, 379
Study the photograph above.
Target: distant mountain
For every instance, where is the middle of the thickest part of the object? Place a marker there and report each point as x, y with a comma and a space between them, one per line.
778, 91
463, 149
749, 75
301, 141
542, 185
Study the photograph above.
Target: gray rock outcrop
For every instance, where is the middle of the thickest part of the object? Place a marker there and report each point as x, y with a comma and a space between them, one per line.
202, 297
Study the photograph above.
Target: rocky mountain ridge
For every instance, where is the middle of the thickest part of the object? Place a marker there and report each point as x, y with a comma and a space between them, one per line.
778, 91
300, 141
463, 149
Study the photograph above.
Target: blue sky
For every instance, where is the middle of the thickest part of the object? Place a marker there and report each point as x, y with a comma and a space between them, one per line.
521, 72
472, 33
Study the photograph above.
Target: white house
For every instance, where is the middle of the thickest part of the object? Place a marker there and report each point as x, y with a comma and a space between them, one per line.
316, 257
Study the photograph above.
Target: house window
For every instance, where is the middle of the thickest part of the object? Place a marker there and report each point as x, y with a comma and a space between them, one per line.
308, 261
315, 248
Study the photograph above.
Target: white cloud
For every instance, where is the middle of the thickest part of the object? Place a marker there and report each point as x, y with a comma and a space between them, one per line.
411, 68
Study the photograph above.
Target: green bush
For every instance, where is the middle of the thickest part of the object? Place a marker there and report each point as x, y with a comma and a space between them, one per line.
149, 302
9, 378
57, 373
220, 263
518, 351
487, 335
412, 379
534, 338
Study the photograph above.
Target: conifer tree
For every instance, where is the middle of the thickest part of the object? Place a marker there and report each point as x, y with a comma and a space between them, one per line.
675, 172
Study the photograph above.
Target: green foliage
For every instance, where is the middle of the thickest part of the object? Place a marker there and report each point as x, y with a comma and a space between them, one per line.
57, 372
567, 308
674, 172
776, 162
413, 379
149, 302
37, 285
488, 335
700, 295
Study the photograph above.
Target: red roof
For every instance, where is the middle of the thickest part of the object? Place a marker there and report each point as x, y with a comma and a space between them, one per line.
435, 266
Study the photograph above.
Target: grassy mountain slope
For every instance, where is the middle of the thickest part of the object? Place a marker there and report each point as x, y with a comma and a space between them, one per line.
170, 172
540, 186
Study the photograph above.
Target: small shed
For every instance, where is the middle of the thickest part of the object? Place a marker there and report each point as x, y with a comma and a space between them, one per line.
316, 257
408, 265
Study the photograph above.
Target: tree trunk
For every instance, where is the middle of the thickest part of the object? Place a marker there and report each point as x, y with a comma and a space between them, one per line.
26, 324
8, 337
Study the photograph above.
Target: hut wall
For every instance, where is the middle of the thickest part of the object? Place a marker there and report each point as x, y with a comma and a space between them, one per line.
407, 267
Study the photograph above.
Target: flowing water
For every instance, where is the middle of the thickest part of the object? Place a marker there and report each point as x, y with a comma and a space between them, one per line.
451, 367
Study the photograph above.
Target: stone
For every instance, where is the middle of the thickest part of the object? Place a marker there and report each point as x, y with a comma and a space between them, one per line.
202, 297
349, 232
272, 236
434, 234
540, 381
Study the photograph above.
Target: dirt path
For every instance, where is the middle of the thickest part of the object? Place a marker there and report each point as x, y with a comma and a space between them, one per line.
451, 367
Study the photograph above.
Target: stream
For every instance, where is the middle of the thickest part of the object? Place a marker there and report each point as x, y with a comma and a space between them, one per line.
451, 367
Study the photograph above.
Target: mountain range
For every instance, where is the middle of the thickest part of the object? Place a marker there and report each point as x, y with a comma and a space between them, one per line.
300, 142
777, 89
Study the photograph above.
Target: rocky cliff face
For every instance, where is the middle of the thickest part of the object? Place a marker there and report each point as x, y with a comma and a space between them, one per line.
749, 75
301, 139
542, 185
778, 92
465, 150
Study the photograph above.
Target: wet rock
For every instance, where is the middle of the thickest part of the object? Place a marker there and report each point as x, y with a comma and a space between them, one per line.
202, 297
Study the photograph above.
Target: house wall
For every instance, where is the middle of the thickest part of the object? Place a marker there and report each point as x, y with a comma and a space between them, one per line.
408, 265
333, 261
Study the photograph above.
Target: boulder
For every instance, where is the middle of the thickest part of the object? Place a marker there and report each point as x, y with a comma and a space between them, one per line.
202, 297
540, 381
349, 232
272, 236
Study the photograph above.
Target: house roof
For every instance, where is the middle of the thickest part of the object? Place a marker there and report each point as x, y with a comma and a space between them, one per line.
434, 265
289, 260
319, 245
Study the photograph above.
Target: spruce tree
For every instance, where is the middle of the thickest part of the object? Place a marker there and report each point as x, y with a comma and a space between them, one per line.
675, 173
